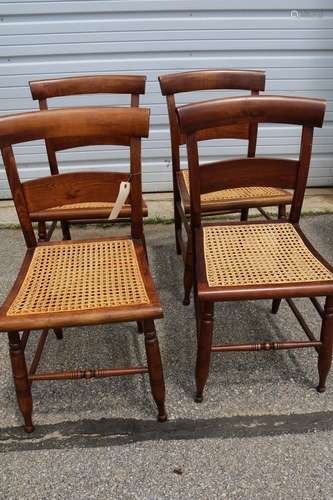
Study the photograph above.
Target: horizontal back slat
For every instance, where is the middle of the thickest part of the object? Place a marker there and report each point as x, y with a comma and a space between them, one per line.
244, 172
191, 81
97, 84
89, 122
233, 131
79, 187
59, 144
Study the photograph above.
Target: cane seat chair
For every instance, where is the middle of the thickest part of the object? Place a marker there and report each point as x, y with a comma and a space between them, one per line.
88, 211
223, 201
81, 282
255, 260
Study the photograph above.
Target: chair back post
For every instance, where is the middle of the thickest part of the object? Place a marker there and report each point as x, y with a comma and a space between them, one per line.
51, 155
136, 188
253, 133
302, 175
18, 196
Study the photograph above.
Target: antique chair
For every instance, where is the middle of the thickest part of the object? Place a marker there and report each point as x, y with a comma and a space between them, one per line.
89, 211
221, 201
82, 282
255, 260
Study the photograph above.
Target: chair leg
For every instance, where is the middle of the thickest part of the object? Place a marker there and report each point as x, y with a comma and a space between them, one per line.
275, 305
244, 214
282, 214
326, 349
178, 227
188, 274
58, 333
140, 326
42, 233
20, 375
66, 234
204, 348
155, 368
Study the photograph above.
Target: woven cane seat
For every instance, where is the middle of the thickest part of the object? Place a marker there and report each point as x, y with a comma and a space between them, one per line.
256, 254
266, 195
79, 276
90, 204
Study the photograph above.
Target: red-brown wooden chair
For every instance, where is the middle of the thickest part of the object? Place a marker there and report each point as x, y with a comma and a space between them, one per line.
89, 211
82, 282
255, 260
222, 201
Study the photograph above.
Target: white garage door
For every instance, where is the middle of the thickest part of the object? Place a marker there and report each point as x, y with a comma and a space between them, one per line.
291, 41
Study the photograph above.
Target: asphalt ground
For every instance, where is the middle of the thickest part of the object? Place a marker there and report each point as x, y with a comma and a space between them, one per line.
262, 431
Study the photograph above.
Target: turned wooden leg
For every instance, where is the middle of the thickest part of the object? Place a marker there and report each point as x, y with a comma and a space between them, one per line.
187, 280
66, 234
244, 214
282, 212
204, 347
326, 349
21, 382
58, 333
275, 305
42, 233
140, 326
155, 368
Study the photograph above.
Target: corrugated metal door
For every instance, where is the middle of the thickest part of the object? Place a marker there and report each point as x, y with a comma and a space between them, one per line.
292, 41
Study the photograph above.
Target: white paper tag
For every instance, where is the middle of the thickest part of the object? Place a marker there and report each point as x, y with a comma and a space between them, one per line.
124, 190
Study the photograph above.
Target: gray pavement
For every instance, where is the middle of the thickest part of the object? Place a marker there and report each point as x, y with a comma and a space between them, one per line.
261, 432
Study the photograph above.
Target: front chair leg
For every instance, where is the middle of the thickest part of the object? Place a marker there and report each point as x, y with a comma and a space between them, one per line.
21, 381
188, 274
155, 368
204, 348
326, 349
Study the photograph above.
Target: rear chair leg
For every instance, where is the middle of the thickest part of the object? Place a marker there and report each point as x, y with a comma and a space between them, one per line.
58, 333
282, 214
204, 348
178, 226
244, 214
139, 325
42, 233
21, 382
326, 349
155, 368
275, 305
66, 234
188, 275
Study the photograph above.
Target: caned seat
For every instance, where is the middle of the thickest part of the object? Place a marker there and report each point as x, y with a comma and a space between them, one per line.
249, 196
82, 211
84, 282
262, 259
255, 254
66, 279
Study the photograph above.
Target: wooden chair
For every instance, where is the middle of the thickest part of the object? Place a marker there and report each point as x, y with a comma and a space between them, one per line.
83, 282
255, 260
222, 201
89, 211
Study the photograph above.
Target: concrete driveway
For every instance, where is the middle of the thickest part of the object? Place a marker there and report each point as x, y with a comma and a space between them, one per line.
262, 431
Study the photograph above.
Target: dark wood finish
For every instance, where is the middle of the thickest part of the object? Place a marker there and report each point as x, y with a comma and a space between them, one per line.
96, 84
20, 376
60, 189
243, 80
42, 90
283, 173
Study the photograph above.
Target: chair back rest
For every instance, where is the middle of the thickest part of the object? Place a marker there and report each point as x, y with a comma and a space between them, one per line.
42, 90
107, 125
242, 172
192, 81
